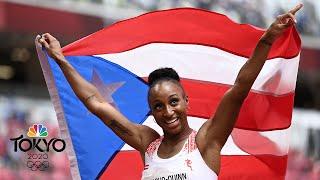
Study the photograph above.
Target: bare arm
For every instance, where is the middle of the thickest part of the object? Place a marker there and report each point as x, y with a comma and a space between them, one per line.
137, 136
214, 133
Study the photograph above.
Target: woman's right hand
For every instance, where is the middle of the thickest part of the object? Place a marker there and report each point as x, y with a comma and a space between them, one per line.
52, 46
281, 24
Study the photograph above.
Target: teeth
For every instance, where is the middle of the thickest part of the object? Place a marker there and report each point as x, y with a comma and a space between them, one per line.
172, 121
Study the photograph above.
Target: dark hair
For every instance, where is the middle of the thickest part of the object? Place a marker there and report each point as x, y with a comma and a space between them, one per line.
163, 74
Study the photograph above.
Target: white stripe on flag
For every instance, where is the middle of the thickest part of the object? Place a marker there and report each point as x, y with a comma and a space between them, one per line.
206, 64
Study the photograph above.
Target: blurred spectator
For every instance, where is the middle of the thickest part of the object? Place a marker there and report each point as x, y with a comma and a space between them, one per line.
257, 12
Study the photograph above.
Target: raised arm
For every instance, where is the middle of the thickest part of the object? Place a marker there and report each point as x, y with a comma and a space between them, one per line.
215, 131
138, 136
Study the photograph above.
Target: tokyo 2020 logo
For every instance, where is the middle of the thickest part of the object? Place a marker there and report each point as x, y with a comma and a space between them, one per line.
37, 147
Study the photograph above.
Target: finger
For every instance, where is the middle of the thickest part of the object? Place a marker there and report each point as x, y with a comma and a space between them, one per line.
291, 18
284, 18
284, 26
295, 9
38, 37
49, 37
44, 43
36, 40
281, 19
292, 22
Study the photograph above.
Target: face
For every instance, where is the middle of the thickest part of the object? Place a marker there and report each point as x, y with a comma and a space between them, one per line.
168, 105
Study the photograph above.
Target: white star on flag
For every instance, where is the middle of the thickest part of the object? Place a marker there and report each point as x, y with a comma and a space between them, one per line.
106, 90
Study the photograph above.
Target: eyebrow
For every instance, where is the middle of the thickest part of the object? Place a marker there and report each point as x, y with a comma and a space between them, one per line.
155, 101
172, 95
158, 101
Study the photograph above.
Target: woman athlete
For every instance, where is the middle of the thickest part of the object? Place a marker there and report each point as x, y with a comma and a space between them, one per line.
181, 153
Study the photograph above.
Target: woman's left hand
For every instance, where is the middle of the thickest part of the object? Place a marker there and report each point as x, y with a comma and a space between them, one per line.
280, 24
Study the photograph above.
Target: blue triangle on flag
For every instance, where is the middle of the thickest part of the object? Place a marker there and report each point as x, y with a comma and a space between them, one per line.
93, 142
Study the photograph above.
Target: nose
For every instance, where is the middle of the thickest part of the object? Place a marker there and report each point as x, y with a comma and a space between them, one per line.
168, 111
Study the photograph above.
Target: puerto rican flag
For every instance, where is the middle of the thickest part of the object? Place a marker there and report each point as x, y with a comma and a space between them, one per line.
207, 49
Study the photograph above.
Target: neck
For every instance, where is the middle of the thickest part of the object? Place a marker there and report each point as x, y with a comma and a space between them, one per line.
176, 138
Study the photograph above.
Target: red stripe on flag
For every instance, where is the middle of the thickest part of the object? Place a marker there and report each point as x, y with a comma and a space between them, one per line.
212, 29
260, 112
128, 165
125, 165
256, 143
253, 167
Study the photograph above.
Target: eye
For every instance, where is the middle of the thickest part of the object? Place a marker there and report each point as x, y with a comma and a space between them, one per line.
157, 106
174, 101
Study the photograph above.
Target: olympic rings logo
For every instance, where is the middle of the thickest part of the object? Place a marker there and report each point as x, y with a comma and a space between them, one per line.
38, 165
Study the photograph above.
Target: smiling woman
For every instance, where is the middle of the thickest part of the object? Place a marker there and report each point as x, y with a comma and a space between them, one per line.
175, 154
168, 101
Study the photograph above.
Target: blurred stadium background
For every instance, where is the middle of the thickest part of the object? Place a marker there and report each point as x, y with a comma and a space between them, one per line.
24, 98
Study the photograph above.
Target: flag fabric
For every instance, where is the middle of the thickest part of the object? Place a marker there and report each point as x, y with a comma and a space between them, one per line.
207, 49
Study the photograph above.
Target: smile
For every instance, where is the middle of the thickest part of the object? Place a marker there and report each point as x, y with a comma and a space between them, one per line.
171, 121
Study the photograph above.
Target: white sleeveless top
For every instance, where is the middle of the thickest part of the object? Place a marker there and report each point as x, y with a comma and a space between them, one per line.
187, 164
